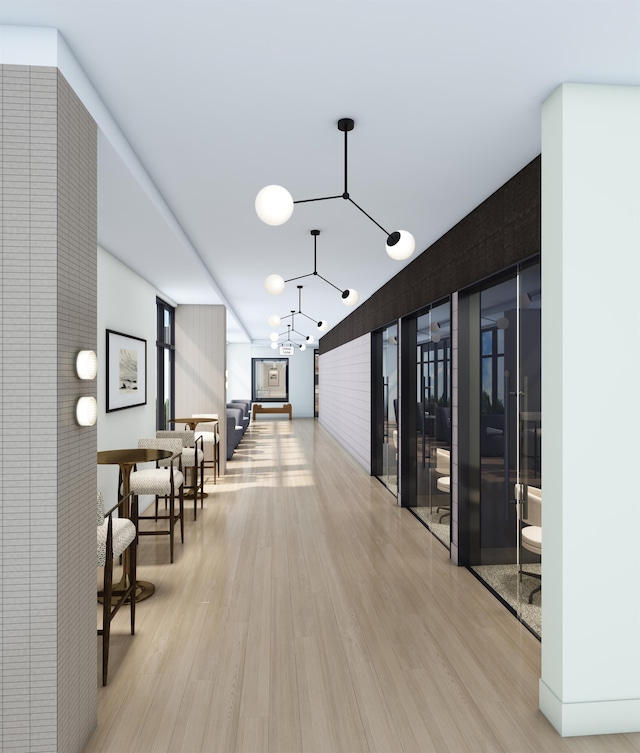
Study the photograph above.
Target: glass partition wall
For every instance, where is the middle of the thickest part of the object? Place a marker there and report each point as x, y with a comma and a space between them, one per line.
432, 499
503, 487
498, 475
385, 451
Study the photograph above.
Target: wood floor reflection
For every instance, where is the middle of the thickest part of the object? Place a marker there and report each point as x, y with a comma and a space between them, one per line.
307, 613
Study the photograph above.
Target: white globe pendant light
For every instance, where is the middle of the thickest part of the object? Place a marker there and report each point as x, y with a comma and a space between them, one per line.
350, 297
274, 205
323, 326
274, 320
400, 245
274, 284
274, 337
274, 346
303, 346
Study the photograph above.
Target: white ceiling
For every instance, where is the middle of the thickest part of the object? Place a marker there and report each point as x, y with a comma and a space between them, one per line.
219, 99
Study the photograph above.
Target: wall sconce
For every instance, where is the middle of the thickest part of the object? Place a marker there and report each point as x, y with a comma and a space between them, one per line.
274, 205
274, 284
86, 411
86, 364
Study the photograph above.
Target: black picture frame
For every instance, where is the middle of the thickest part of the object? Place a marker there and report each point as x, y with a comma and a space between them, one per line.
270, 380
126, 383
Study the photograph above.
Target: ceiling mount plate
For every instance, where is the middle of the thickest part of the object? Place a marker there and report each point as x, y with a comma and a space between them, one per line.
345, 124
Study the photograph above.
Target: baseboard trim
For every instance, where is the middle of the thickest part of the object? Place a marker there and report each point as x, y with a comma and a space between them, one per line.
590, 718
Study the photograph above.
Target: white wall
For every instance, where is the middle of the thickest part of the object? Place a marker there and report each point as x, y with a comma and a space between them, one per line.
127, 304
345, 397
590, 363
239, 368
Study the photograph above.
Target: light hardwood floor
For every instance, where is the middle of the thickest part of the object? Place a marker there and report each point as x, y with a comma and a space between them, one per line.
307, 613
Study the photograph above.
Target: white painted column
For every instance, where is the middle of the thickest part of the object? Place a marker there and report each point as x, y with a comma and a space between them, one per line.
591, 409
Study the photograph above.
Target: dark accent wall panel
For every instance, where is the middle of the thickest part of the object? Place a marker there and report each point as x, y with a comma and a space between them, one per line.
503, 230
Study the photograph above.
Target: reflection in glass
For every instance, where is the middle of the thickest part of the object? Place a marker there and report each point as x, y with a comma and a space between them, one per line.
389, 475
510, 440
433, 463
165, 362
270, 379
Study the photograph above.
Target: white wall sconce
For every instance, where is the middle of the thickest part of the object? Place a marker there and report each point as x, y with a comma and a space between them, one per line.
86, 411
86, 364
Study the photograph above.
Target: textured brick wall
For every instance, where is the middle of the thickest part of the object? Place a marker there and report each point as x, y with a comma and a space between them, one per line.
503, 230
47, 313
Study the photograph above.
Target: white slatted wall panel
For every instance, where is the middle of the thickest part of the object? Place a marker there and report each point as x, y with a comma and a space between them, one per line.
201, 360
345, 397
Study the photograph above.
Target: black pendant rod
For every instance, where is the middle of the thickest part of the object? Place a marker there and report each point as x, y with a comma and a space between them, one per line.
311, 319
329, 283
321, 198
300, 311
315, 273
368, 215
346, 189
300, 277
346, 125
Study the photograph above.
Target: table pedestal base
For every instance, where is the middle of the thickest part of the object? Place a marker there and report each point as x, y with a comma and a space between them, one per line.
144, 590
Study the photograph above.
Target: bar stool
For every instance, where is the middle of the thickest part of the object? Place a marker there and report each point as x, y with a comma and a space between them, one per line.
114, 536
166, 480
193, 459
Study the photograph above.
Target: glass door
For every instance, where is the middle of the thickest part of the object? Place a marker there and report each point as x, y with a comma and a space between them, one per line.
510, 439
527, 425
389, 475
432, 502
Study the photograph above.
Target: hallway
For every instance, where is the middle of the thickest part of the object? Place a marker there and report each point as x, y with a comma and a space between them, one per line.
307, 613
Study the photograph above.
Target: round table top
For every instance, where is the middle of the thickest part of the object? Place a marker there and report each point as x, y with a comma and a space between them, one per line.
193, 421
132, 455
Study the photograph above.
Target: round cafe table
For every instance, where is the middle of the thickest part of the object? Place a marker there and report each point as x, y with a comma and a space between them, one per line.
191, 422
126, 459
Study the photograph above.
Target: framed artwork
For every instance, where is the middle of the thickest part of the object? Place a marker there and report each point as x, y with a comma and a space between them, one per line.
126, 371
274, 379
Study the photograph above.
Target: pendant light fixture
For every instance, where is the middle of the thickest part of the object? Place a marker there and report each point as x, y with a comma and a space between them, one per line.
274, 284
274, 206
274, 320
275, 338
